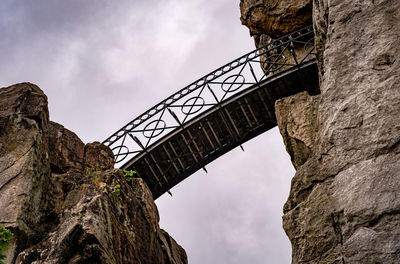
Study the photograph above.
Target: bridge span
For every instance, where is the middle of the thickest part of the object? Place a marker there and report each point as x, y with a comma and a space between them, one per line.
216, 113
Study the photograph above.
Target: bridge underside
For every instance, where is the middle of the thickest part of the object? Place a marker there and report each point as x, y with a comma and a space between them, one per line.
219, 129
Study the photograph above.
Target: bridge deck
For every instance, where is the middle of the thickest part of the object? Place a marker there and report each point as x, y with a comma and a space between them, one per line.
216, 113
219, 130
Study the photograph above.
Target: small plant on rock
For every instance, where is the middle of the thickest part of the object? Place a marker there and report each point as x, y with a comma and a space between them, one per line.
129, 175
116, 191
5, 237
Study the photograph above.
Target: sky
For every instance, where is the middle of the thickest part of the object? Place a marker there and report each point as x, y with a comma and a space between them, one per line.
101, 63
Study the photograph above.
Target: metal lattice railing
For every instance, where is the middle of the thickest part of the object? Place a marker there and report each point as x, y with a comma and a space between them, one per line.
209, 91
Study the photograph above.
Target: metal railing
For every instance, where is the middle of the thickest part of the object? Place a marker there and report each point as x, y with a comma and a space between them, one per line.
209, 91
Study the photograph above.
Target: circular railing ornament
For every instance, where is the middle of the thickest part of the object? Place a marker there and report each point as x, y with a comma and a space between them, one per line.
194, 105
273, 63
150, 132
121, 153
235, 84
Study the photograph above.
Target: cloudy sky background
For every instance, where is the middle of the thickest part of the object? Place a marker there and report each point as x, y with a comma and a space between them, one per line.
102, 63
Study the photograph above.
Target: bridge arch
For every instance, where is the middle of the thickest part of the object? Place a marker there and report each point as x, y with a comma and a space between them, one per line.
216, 113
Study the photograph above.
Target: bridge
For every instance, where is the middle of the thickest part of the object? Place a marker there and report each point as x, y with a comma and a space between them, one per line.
216, 113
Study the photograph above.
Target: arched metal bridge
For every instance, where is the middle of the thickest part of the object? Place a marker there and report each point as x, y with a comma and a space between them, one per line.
216, 113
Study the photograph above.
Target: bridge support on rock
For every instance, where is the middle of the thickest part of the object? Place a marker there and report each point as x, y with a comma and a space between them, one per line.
216, 113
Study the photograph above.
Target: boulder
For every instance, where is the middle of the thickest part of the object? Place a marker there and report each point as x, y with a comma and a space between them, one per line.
66, 149
98, 156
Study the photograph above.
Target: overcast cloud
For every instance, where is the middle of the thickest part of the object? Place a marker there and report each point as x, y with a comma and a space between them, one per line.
102, 63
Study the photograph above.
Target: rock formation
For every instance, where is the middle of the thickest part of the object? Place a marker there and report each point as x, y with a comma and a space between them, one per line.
344, 204
274, 18
63, 199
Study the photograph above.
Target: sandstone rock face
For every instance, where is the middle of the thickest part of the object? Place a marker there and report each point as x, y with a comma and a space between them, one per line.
97, 225
63, 200
67, 149
343, 205
268, 19
24, 202
97, 156
297, 121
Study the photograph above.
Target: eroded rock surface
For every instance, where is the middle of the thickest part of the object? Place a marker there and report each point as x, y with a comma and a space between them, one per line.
268, 19
297, 121
67, 150
272, 19
343, 205
25, 203
63, 200
99, 224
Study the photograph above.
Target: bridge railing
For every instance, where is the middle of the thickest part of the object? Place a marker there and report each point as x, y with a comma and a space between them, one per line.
209, 91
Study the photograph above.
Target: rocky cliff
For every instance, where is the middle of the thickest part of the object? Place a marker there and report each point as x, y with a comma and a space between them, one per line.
344, 204
63, 200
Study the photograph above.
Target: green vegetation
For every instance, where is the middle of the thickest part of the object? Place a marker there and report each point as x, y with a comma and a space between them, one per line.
116, 191
5, 237
129, 175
